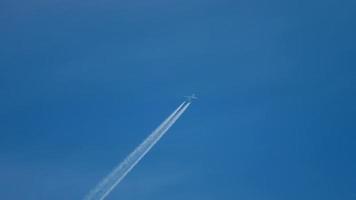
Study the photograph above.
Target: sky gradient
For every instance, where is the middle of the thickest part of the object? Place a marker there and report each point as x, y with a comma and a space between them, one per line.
82, 83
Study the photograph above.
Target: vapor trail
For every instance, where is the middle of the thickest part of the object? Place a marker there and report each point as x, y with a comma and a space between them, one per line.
103, 189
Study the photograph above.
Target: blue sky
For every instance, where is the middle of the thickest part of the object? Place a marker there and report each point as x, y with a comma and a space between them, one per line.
83, 82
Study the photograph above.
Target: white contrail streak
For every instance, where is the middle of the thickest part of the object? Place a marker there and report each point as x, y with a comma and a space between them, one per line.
103, 189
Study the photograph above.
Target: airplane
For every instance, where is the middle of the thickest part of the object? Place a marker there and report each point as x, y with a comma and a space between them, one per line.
191, 97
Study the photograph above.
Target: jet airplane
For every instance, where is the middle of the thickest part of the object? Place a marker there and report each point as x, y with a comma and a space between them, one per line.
191, 98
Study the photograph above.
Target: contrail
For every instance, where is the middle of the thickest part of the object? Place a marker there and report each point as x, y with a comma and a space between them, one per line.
103, 189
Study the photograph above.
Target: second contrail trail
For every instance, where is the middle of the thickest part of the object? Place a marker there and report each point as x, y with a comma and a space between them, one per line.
103, 189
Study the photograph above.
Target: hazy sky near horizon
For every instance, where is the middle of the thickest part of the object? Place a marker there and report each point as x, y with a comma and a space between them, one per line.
82, 83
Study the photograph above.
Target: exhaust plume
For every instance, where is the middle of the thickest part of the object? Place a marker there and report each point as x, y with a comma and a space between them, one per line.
103, 189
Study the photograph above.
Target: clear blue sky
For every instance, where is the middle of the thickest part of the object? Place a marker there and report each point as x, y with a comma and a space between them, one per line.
83, 82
